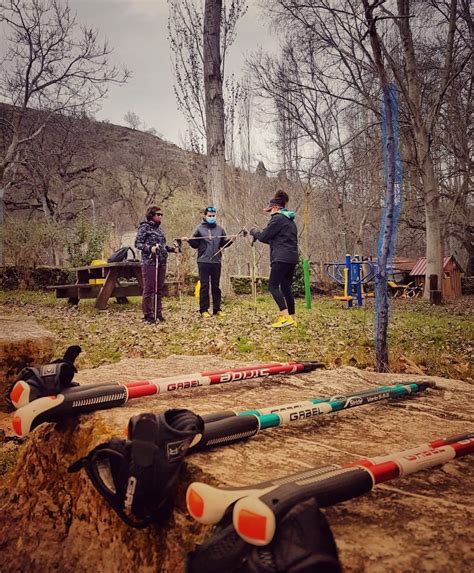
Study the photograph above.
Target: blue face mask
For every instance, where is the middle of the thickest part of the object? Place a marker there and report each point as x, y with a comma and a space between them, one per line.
211, 220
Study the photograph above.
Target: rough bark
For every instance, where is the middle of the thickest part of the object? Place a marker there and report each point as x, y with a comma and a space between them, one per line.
422, 125
386, 231
215, 134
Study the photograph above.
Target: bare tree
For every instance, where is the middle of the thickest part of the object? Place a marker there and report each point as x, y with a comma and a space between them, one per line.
245, 120
185, 34
132, 120
422, 122
55, 172
215, 136
387, 230
311, 122
50, 65
425, 49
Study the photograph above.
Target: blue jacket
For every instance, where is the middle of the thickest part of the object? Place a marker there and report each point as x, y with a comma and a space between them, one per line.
282, 236
215, 239
149, 234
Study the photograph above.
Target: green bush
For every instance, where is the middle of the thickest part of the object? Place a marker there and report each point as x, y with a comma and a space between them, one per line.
46, 276
9, 278
85, 242
243, 284
298, 280
27, 245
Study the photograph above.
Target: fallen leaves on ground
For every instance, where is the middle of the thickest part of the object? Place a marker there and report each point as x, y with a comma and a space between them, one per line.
422, 338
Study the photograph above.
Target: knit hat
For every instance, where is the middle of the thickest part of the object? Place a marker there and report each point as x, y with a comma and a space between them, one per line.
280, 199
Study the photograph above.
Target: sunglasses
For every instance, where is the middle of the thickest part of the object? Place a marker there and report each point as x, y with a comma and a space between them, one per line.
159, 214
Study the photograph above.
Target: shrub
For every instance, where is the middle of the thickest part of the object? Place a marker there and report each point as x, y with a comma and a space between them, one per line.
38, 278
85, 242
27, 245
298, 280
243, 284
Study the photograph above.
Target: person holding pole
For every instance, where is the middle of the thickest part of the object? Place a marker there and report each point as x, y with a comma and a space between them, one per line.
151, 242
210, 239
282, 236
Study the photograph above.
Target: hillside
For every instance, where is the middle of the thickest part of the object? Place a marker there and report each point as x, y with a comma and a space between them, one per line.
108, 174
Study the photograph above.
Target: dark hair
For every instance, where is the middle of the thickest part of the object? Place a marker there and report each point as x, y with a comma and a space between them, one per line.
211, 209
281, 198
151, 212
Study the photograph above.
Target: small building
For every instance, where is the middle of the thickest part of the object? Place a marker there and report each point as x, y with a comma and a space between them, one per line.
452, 271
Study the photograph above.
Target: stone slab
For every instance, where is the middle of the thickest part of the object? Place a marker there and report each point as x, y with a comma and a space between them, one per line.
52, 520
22, 343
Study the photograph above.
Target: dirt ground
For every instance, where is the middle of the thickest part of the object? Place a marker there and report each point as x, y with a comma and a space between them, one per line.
52, 520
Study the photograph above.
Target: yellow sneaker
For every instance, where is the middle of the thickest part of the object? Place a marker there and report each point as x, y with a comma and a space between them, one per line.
220, 313
284, 321
205, 314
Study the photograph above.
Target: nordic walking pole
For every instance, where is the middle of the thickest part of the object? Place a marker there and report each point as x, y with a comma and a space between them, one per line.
254, 273
84, 399
24, 393
178, 244
258, 507
242, 232
349, 481
208, 238
275, 416
222, 428
212, 431
156, 283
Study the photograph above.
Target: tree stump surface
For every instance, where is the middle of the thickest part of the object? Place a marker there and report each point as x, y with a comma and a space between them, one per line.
22, 343
55, 521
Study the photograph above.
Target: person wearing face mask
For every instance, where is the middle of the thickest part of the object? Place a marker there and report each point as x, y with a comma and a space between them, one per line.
151, 241
282, 236
209, 239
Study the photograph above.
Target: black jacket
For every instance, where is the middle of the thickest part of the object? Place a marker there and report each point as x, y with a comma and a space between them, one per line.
282, 236
215, 239
149, 234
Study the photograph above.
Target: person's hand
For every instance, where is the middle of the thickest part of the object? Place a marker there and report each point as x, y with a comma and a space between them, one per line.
253, 230
232, 238
154, 249
184, 239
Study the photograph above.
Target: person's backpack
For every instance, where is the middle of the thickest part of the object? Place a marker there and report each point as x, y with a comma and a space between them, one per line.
121, 255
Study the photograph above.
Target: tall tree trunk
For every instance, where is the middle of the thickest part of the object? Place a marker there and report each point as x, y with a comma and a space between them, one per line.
2, 221
215, 135
385, 238
434, 243
422, 132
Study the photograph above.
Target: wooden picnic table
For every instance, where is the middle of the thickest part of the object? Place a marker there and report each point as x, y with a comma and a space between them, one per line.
118, 280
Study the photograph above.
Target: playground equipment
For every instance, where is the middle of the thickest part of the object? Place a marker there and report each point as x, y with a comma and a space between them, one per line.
351, 274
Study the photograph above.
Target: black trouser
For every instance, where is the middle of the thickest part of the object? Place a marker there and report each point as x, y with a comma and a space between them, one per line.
148, 300
279, 285
209, 273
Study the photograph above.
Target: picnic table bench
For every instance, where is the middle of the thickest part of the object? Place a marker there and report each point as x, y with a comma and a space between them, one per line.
102, 282
119, 280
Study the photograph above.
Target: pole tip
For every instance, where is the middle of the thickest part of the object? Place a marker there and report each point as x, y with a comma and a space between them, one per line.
312, 365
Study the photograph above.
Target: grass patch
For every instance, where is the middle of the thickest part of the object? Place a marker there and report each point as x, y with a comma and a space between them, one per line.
439, 340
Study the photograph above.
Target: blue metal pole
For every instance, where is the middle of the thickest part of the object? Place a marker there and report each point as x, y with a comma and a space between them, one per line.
349, 279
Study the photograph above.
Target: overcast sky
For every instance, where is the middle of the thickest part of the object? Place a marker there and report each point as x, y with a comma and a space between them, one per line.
137, 30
